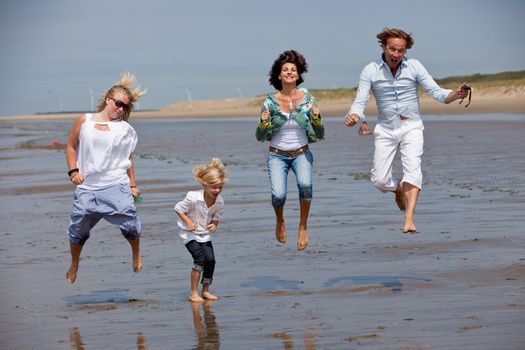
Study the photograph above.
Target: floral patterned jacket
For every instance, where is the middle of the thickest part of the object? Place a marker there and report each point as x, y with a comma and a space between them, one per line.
313, 126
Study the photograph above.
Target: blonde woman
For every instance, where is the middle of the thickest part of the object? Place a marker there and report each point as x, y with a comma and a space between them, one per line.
199, 215
98, 155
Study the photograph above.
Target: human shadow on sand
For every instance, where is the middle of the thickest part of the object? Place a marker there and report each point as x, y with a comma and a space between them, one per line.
100, 300
391, 282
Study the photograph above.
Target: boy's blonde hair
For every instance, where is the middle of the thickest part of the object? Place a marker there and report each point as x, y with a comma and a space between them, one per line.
210, 174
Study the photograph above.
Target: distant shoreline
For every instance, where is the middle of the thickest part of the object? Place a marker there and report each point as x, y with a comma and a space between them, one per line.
484, 101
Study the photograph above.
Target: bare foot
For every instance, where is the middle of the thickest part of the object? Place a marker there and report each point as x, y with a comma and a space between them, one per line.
400, 199
280, 231
302, 240
209, 296
71, 274
409, 227
137, 263
195, 298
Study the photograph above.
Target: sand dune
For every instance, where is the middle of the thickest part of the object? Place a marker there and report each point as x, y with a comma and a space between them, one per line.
488, 100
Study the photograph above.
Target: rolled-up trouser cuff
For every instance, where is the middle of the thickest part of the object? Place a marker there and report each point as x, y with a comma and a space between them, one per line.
206, 280
414, 181
198, 268
278, 202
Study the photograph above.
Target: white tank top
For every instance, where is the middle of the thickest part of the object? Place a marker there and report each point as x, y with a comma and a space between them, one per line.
290, 136
103, 156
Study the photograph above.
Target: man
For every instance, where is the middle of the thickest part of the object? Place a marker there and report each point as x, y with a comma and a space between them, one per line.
394, 79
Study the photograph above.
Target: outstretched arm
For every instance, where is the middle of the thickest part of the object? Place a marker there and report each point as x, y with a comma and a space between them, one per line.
460, 93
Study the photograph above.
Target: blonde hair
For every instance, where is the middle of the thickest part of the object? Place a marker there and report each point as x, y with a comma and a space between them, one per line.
126, 85
210, 174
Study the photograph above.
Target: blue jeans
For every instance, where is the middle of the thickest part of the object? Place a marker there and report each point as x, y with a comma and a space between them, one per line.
203, 259
278, 167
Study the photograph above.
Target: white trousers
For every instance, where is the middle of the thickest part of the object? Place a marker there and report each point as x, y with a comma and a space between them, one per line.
408, 139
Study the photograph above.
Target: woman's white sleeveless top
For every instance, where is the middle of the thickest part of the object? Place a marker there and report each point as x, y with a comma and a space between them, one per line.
290, 136
103, 156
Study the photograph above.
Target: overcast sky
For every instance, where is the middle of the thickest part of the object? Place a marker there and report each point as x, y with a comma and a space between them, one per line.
55, 54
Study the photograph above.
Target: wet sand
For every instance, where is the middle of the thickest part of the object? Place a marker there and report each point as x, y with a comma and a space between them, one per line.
458, 283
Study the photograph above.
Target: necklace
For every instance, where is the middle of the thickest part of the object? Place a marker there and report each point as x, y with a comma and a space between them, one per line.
291, 100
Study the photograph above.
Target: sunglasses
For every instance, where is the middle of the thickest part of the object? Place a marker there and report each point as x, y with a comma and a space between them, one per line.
119, 103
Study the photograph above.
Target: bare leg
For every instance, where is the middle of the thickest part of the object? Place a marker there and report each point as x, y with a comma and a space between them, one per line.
194, 293
280, 227
400, 198
302, 239
135, 250
206, 294
71, 274
411, 197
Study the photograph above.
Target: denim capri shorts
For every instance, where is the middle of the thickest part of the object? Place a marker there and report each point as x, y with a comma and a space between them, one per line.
114, 204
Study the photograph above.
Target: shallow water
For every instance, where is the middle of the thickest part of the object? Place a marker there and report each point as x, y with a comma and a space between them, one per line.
458, 283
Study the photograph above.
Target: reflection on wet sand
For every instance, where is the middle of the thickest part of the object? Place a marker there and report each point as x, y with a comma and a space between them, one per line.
142, 342
76, 339
207, 331
77, 344
288, 343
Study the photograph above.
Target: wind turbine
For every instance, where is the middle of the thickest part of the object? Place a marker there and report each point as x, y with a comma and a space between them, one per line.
57, 92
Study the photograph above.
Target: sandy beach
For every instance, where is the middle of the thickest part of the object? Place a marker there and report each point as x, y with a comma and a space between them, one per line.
488, 100
458, 283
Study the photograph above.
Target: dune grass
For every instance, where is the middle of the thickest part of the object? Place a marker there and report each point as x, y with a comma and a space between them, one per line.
486, 80
478, 81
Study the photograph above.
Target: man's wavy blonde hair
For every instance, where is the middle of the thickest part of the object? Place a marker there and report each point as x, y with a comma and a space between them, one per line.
388, 33
127, 86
